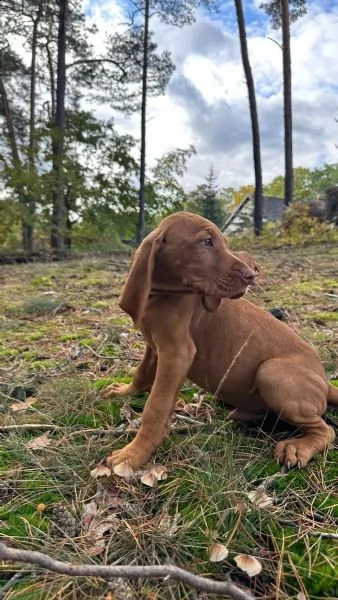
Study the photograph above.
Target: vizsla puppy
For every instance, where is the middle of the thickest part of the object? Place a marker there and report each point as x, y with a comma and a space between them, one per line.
182, 292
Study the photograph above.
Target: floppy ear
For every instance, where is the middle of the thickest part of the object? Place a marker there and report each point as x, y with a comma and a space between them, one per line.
136, 290
211, 303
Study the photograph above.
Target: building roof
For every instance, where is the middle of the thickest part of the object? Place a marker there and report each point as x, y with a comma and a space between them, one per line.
242, 215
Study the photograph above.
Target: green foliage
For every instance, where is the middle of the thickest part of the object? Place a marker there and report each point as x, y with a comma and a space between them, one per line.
10, 223
164, 192
297, 229
206, 199
307, 183
297, 8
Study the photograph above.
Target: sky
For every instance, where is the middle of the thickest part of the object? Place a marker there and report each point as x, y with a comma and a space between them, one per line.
206, 100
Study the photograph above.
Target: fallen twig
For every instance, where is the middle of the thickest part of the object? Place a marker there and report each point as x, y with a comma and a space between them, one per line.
78, 431
29, 427
324, 534
227, 588
187, 419
12, 581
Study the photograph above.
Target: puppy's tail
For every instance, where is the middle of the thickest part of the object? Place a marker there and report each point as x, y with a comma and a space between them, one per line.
332, 397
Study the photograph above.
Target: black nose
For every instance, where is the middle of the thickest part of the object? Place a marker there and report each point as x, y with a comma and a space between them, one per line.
246, 274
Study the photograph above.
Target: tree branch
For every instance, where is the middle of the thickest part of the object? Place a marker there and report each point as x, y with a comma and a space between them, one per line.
108, 572
90, 61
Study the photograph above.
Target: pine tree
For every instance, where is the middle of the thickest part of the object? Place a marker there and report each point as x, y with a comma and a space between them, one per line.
206, 201
282, 13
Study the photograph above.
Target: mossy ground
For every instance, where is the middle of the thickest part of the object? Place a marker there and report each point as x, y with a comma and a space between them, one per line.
62, 339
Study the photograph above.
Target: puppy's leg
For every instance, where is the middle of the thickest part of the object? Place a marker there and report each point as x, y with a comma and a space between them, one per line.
173, 365
299, 396
245, 416
143, 378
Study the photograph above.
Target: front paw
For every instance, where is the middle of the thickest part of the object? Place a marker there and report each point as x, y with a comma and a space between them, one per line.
116, 389
136, 454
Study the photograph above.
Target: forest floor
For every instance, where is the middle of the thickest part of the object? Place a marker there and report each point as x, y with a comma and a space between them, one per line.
63, 338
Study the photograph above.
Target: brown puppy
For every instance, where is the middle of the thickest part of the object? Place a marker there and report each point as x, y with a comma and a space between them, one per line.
181, 292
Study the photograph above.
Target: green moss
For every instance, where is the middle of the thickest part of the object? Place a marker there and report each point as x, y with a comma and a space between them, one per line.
9, 352
30, 354
41, 365
36, 336
39, 305
323, 316
89, 341
110, 350
42, 282
121, 320
69, 337
314, 559
101, 304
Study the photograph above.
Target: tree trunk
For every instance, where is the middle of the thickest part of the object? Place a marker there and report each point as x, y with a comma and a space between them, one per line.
142, 192
58, 216
258, 200
15, 161
9, 125
52, 110
288, 153
29, 227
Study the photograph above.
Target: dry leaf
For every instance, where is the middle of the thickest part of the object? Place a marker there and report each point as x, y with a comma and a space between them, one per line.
167, 524
218, 552
134, 424
260, 498
88, 513
249, 564
301, 596
19, 406
123, 469
125, 412
100, 471
14, 472
149, 479
96, 532
96, 550
39, 442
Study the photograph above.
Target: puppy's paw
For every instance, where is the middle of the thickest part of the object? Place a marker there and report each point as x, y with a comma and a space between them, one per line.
135, 454
293, 453
116, 389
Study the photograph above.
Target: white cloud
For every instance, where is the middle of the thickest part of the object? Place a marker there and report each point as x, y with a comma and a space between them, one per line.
206, 102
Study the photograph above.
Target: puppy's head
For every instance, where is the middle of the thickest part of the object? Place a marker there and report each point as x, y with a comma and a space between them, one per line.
185, 254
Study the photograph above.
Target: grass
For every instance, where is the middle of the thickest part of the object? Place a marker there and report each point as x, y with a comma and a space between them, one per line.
63, 336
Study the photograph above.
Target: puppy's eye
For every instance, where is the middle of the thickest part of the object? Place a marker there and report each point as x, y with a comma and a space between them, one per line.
207, 242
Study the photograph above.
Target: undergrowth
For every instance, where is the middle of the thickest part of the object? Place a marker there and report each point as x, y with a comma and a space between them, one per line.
58, 352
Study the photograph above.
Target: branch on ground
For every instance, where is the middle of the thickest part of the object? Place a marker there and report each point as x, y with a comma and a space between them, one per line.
108, 572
